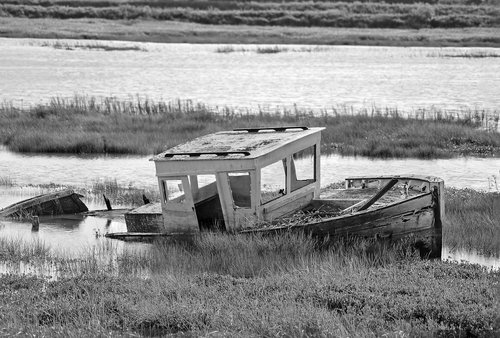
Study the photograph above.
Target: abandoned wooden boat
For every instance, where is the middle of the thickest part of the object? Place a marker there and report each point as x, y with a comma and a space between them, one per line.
260, 180
56, 203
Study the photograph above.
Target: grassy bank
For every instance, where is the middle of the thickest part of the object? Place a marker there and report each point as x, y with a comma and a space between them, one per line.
393, 23
371, 14
187, 32
87, 125
284, 286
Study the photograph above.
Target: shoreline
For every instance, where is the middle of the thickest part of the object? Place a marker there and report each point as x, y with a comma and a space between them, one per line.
185, 32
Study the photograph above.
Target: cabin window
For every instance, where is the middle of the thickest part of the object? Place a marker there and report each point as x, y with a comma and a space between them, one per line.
173, 191
273, 181
303, 168
240, 189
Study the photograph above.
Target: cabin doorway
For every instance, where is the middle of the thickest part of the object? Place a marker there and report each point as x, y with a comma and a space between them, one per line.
207, 202
177, 205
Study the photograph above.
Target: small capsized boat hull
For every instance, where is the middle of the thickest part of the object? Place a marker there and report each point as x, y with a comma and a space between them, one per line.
56, 203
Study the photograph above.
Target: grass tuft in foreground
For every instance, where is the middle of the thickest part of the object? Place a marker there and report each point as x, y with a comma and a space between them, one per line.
319, 291
88, 125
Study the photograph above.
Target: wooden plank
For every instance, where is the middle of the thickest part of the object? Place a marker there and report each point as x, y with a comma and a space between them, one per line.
378, 195
339, 203
44, 205
350, 222
286, 205
180, 216
226, 200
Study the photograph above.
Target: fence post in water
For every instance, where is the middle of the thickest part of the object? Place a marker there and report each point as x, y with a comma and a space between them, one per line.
35, 223
108, 203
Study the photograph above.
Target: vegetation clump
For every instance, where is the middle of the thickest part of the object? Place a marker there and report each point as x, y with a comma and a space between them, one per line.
84, 125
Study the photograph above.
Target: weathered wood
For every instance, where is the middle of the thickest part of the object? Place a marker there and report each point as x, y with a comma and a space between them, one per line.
35, 223
137, 236
353, 208
179, 215
108, 203
226, 200
379, 194
68, 202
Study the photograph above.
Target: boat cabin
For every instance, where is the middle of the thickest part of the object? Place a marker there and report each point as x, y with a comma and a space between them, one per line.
234, 179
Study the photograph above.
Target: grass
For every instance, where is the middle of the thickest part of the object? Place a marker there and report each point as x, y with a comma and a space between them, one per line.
187, 32
473, 221
254, 285
90, 46
269, 50
372, 14
89, 125
6, 181
234, 286
467, 54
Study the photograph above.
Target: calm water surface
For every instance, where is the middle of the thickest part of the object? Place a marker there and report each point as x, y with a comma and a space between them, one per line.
318, 77
138, 171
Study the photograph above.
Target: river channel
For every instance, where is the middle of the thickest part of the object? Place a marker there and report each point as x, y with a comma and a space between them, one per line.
315, 77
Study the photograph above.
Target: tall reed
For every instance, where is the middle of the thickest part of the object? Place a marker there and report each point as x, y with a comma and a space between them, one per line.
90, 125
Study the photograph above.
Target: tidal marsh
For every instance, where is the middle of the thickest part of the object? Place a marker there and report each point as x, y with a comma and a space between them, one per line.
254, 285
338, 291
86, 125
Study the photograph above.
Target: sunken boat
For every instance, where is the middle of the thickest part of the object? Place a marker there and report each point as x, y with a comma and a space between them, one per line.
267, 180
55, 203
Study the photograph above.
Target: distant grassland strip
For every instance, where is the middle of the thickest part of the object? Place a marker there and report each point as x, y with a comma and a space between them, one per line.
407, 14
89, 125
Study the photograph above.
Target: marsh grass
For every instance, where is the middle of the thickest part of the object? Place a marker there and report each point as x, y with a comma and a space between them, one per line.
252, 287
117, 194
271, 50
371, 14
473, 221
6, 181
90, 46
17, 249
89, 125
473, 55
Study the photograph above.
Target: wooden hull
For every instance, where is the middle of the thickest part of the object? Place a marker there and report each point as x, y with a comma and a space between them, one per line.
417, 217
57, 203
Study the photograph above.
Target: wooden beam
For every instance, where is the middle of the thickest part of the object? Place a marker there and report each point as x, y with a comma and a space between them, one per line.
226, 200
379, 194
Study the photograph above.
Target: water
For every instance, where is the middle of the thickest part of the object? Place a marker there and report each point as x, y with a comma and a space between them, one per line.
313, 77
138, 171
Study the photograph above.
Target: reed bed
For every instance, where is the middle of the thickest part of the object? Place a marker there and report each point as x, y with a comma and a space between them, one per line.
6, 181
91, 46
473, 221
371, 14
109, 125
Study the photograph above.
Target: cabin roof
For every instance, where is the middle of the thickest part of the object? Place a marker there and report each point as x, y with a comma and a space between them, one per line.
237, 144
